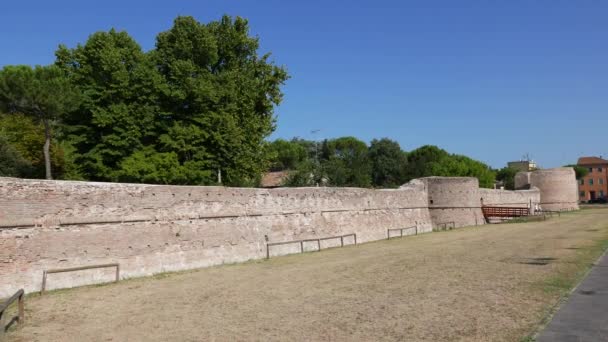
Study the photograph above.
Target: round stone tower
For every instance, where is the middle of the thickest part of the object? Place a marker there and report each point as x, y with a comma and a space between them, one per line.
558, 187
453, 201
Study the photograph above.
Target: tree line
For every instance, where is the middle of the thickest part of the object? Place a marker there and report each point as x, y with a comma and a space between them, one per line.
201, 102
198, 105
348, 161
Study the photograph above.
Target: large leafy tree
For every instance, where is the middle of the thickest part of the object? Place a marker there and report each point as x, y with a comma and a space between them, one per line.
287, 155
345, 162
26, 135
432, 161
220, 95
389, 163
422, 161
202, 101
120, 114
12, 164
507, 176
43, 93
302, 158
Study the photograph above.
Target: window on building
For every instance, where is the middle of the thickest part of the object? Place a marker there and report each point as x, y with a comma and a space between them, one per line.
582, 181
582, 194
601, 194
599, 169
590, 181
590, 169
601, 180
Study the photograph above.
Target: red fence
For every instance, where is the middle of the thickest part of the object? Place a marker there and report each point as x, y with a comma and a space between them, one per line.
504, 212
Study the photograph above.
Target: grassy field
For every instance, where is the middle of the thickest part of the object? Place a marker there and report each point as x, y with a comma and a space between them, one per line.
486, 283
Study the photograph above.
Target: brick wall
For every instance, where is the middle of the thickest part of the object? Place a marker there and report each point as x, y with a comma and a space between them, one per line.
153, 228
558, 187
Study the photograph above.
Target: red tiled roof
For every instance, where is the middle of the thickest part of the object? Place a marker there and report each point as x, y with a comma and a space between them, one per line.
591, 161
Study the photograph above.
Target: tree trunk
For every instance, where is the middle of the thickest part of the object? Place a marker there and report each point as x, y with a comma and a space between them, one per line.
47, 149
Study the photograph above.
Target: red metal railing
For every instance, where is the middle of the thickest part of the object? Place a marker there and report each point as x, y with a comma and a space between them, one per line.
504, 212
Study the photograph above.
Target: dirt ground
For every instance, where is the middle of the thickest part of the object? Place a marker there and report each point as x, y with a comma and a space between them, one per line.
487, 283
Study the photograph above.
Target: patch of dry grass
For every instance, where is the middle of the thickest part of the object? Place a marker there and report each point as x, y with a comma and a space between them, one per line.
486, 283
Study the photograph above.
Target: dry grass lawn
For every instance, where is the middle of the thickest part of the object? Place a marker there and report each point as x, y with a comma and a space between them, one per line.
487, 283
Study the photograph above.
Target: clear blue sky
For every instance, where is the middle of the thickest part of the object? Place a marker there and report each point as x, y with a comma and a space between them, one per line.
490, 79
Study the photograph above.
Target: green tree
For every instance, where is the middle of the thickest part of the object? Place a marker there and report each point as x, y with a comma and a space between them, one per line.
420, 161
221, 92
287, 155
388, 162
43, 93
306, 166
12, 164
202, 101
150, 166
429, 160
306, 174
120, 114
507, 176
345, 162
579, 171
26, 135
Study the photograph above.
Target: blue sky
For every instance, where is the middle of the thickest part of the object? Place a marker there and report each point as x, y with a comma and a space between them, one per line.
490, 79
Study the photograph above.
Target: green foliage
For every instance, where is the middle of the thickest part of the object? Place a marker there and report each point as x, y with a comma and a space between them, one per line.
348, 161
287, 155
12, 164
389, 163
579, 171
201, 101
432, 161
70, 169
507, 176
43, 93
422, 161
345, 162
120, 112
302, 157
337, 162
26, 135
149, 166
306, 174
217, 82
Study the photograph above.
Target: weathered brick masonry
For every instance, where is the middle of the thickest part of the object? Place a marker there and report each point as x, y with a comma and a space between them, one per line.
154, 228
558, 187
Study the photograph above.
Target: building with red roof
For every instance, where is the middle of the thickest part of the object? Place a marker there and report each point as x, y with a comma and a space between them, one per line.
594, 186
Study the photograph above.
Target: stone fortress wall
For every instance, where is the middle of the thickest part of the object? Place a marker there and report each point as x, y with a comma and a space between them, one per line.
150, 229
454, 202
558, 187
